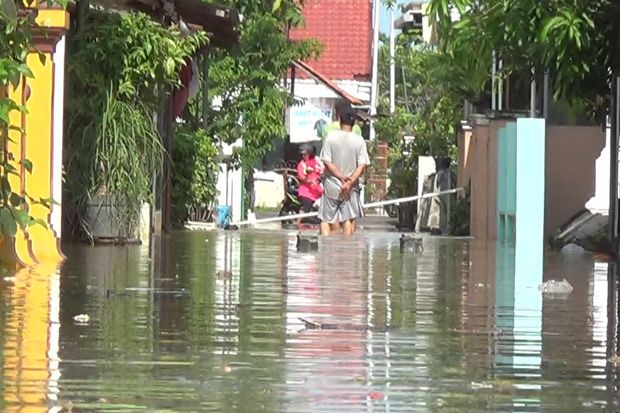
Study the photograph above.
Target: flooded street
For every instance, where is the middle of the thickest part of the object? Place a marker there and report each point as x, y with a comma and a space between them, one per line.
213, 322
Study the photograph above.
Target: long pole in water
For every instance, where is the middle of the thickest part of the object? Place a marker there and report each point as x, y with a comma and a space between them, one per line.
366, 206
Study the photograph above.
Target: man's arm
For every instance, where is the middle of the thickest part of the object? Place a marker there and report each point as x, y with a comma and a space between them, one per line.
359, 171
333, 170
362, 162
353, 179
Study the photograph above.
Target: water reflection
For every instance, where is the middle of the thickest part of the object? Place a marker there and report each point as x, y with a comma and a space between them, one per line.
29, 317
212, 322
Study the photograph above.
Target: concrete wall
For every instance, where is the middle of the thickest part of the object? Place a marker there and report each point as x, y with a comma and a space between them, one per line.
571, 154
268, 189
478, 167
570, 173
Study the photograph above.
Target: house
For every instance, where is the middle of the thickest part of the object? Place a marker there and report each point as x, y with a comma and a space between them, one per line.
344, 69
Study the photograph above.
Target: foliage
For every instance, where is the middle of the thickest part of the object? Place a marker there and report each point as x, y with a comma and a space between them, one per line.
458, 221
120, 69
16, 33
429, 98
247, 81
194, 175
575, 40
133, 53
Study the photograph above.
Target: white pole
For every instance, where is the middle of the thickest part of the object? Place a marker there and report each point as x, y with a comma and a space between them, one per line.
493, 81
392, 63
375, 64
57, 134
500, 86
366, 206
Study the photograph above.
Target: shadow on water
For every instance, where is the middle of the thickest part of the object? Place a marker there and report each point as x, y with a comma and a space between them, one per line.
213, 322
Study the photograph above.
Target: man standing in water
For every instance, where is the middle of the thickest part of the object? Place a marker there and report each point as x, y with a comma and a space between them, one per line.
346, 158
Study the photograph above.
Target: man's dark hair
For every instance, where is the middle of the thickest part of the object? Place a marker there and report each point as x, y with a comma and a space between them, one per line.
348, 116
341, 105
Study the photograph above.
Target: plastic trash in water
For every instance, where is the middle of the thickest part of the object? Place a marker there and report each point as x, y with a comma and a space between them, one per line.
573, 249
556, 287
81, 318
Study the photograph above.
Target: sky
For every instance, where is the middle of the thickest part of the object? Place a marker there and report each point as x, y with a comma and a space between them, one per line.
385, 16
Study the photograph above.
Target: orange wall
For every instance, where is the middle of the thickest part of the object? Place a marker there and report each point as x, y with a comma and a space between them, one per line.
570, 172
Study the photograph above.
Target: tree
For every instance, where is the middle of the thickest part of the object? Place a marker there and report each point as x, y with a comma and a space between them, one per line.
577, 41
119, 71
429, 97
248, 80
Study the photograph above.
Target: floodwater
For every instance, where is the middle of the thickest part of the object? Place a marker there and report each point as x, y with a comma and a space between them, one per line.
210, 322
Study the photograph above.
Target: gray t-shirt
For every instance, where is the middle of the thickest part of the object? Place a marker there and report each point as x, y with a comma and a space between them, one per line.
347, 151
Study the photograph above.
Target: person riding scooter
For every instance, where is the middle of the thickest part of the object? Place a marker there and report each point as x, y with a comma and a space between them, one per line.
309, 171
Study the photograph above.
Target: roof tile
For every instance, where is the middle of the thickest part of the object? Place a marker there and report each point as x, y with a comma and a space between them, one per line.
344, 27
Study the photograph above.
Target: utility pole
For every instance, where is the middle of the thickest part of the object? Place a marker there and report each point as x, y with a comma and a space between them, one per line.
375, 65
392, 63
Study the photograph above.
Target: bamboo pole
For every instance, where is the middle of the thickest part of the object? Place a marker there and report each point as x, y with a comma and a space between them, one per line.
366, 206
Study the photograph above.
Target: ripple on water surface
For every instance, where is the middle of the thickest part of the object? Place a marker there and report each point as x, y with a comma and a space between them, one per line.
215, 322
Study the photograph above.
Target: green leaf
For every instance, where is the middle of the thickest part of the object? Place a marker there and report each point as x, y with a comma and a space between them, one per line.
169, 67
38, 222
21, 216
8, 223
27, 164
8, 9
16, 200
276, 5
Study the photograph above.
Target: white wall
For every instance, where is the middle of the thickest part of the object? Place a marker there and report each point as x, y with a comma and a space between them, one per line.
600, 202
57, 134
308, 88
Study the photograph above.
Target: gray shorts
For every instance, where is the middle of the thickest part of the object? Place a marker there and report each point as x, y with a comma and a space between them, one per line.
334, 211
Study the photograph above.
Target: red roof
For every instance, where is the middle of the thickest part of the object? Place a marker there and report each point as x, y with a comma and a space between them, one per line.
344, 28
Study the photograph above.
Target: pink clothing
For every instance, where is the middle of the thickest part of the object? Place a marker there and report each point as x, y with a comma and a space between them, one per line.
310, 170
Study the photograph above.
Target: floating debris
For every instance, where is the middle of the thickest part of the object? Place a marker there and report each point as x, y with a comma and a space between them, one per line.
481, 386
224, 275
312, 325
81, 318
411, 244
562, 287
573, 249
614, 360
307, 242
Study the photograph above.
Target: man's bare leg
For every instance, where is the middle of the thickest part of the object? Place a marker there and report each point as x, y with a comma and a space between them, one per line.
325, 228
335, 227
349, 228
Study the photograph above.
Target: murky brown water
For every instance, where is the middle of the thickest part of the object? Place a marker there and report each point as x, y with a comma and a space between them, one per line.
211, 322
